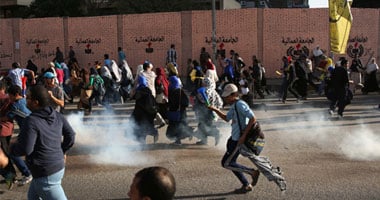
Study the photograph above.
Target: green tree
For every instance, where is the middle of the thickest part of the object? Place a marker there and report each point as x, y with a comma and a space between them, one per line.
149, 6
76, 8
366, 4
56, 8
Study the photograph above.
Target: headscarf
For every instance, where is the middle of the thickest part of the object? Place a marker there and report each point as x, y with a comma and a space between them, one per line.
228, 61
213, 97
141, 82
210, 65
161, 78
139, 69
174, 83
172, 68
57, 65
93, 71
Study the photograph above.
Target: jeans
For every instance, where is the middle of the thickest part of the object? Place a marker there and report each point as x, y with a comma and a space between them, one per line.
47, 187
229, 162
20, 163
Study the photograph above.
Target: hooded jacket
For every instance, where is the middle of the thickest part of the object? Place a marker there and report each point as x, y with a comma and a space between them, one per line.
40, 140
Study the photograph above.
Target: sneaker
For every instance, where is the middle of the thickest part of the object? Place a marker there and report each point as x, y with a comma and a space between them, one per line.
340, 116
177, 142
255, 177
9, 180
244, 189
25, 180
277, 170
281, 184
10, 184
331, 112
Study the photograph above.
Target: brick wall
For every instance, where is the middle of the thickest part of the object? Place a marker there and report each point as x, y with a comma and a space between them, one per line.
267, 33
39, 39
7, 51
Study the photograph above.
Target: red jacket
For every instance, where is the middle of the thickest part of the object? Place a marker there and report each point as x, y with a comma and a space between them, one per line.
6, 127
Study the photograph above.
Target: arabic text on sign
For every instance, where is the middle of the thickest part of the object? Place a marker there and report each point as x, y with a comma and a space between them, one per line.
37, 41
289, 40
149, 39
222, 39
88, 41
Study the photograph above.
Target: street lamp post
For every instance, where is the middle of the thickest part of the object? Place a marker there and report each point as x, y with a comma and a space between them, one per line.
213, 31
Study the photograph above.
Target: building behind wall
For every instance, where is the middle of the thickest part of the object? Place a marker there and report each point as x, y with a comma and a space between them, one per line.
8, 7
274, 3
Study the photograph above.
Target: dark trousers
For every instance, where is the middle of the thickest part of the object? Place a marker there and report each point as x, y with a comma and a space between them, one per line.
229, 162
339, 100
289, 86
9, 169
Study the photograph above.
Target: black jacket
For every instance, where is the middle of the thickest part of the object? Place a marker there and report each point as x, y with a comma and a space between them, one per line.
145, 106
40, 140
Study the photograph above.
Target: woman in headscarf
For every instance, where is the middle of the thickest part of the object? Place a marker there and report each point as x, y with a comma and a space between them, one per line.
145, 111
207, 96
370, 82
211, 71
162, 91
178, 128
96, 83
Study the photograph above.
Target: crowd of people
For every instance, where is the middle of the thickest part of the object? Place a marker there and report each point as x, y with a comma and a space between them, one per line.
315, 71
161, 98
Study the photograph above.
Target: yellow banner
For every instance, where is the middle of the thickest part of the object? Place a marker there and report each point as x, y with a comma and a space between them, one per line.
340, 25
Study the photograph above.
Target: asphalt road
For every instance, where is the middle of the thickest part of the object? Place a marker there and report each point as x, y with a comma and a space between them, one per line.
321, 157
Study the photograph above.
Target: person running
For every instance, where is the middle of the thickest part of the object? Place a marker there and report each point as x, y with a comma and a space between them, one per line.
229, 160
44, 140
206, 96
144, 112
339, 85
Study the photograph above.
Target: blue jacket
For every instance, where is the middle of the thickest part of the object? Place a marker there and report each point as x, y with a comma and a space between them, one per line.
40, 140
19, 112
229, 73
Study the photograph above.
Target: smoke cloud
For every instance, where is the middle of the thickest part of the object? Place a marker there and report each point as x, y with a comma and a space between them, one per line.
362, 144
351, 139
108, 140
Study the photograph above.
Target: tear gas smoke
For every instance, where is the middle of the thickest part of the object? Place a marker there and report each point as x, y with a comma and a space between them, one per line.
361, 144
109, 142
315, 128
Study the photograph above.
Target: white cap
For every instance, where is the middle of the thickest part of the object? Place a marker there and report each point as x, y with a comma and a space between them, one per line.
229, 89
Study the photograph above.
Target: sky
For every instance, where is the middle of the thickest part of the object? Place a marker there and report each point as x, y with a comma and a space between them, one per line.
318, 3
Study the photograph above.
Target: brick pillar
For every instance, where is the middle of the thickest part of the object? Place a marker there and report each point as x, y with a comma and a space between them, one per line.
186, 40
120, 38
16, 40
65, 24
260, 33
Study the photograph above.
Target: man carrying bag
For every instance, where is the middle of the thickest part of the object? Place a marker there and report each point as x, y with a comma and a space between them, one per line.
238, 113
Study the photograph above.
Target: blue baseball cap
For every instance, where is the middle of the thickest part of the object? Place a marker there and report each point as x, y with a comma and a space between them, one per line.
49, 75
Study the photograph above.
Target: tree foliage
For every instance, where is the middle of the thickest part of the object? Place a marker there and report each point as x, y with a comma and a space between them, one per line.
149, 6
56, 8
75, 8
366, 4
